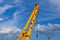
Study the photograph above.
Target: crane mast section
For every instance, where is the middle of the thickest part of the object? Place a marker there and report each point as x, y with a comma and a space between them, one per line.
33, 20
26, 35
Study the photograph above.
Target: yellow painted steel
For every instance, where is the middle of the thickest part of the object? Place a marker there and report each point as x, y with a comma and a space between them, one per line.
25, 35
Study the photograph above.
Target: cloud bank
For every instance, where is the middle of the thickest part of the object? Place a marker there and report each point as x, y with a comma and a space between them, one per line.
49, 29
9, 29
9, 33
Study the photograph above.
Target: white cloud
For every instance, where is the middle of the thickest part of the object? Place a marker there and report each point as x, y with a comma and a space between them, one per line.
9, 33
14, 2
9, 29
1, 1
4, 8
17, 14
55, 2
17, 1
47, 29
11, 2
1, 19
49, 10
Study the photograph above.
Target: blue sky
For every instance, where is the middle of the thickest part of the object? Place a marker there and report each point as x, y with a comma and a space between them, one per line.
14, 14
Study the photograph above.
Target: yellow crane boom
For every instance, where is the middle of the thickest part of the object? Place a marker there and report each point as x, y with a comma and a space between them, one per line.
25, 35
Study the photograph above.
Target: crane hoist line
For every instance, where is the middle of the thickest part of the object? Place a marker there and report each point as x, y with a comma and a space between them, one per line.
25, 35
